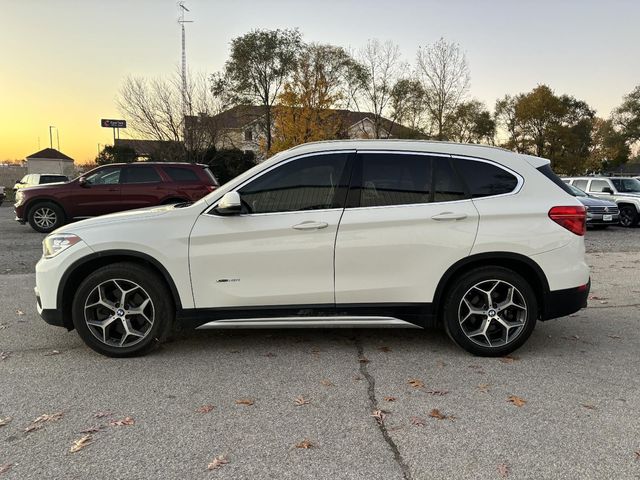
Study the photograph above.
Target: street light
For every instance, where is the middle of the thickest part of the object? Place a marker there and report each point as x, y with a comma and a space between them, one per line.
51, 137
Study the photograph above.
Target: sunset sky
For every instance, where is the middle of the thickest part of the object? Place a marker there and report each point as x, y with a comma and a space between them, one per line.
63, 61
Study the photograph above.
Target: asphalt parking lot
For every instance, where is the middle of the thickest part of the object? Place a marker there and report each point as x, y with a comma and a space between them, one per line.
368, 403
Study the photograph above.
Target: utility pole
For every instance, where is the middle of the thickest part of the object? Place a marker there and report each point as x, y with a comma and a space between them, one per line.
186, 106
58, 137
50, 136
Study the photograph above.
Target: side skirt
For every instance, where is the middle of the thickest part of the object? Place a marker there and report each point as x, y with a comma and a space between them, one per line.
342, 315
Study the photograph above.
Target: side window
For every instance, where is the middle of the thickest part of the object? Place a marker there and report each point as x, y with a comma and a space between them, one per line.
394, 179
485, 179
181, 174
447, 186
308, 183
140, 174
597, 186
581, 184
105, 176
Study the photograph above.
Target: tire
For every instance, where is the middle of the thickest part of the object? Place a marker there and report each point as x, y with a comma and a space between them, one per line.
106, 324
466, 292
45, 217
628, 216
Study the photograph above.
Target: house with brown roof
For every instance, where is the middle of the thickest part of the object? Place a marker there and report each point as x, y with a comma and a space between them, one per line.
242, 127
50, 160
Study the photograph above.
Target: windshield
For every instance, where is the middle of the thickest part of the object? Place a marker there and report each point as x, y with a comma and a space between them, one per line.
576, 191
630, 185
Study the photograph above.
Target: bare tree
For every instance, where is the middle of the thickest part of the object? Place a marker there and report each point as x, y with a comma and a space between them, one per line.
444, 74
154, 109
381, 67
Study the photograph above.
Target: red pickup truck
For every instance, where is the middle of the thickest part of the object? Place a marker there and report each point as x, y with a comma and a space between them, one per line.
112, 188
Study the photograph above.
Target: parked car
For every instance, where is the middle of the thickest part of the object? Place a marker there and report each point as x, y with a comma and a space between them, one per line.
2, 195
600, 213
112, 188
39, 179
479, 240
625, 191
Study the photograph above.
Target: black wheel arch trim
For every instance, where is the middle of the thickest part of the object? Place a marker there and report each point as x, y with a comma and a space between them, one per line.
63, 304
486, 259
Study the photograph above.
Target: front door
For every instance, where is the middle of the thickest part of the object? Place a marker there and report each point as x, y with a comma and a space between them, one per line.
99, 195
279, 250
408, 219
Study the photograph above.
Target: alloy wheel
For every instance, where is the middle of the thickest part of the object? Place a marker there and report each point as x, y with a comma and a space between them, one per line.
492, 313
626, 217
119, 313
44, 217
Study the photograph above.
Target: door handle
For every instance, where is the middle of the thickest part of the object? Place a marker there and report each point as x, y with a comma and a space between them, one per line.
449, 216
310, 225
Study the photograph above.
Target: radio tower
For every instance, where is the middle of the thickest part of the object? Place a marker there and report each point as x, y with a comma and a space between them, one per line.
185, 107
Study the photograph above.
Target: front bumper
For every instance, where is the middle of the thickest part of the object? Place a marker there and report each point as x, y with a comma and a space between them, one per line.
19, 213
49, 315
599, 219
560, 303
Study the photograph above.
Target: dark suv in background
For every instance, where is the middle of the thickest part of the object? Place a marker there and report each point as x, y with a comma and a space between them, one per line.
112, 188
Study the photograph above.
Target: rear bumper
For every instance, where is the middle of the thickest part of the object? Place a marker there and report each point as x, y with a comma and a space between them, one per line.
560, 303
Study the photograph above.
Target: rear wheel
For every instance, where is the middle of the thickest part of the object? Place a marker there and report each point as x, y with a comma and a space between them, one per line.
490, 311
123, 310
45, 217
628, 216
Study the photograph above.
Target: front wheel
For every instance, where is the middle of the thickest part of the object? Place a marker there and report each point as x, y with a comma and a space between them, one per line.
628, 216
45, 217
490, 311
123, 310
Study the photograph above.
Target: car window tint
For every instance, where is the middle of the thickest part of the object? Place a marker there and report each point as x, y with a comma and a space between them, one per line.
105, 176
52, 178
140, 174
394, 179
181, 174
447, 186
484, 179
308, 183
598, 185
581, 184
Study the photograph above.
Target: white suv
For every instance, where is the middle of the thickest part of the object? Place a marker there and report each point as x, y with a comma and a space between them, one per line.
479, 240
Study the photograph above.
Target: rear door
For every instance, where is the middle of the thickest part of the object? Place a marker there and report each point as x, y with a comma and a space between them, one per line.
408, 219
140, 186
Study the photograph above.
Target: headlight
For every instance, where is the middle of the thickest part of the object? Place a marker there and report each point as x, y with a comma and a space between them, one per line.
19, 197
54, 244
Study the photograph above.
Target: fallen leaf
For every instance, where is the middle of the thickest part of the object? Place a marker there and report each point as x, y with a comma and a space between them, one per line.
637, 452
503, 470
384, 349
300, 401
19, 312
363, 360
245, 401
2, 326
102, 414
5, 467
357, 378
5, 421
93, 429
379, 415
270, 354
122, 422
435, 413
416, 383
33, 427
418, 422
438, 393
217, 462
517, 401
326, 383
589, 406
4, 355
484, 387
52, 352
304, 444
389, 399
81, 443
595, 297
616, 337
205, 408
509, 359
38, 423
315, 350
440, 364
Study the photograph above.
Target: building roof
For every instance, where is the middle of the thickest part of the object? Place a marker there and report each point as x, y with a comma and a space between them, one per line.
50, 154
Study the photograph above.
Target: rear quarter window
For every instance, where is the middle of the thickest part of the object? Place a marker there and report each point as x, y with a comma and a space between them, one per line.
485, 179
181, 174
550, 174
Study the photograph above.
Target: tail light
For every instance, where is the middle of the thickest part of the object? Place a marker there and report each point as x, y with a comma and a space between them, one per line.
572, 218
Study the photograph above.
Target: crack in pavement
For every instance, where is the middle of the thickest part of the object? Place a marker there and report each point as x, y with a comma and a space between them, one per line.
364, 371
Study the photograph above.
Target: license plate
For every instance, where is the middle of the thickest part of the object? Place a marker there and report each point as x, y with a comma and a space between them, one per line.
607, 218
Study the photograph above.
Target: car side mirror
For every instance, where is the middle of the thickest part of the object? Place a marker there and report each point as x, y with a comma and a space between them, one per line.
82, 181
229, 204
607, 190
